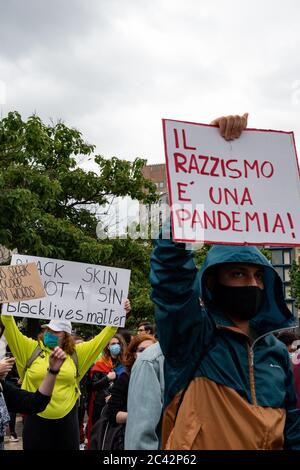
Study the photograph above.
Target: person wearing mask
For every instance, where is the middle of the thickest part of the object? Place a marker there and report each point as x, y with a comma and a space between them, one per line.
228, 380
57, 426
117, 403
146, 385
108, 432
103, 375
13, 399
288, 338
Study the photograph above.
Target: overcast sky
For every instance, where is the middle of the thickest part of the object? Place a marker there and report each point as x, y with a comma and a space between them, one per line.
114, 68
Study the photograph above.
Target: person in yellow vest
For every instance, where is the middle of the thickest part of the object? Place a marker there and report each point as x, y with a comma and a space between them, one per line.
12, 399
56, 428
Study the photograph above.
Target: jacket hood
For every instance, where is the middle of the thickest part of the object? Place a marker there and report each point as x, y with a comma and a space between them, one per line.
274, 314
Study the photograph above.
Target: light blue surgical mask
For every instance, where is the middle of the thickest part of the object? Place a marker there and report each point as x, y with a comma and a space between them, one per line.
115, 349
50, 340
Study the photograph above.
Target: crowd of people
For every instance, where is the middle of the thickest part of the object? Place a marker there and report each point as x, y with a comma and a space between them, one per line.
87, 377
218, 370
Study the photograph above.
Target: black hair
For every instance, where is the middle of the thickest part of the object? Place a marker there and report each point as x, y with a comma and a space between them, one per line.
287, 337
148, 327
127, 334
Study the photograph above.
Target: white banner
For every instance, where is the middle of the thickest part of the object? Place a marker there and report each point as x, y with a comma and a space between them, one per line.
244, 191
79, 292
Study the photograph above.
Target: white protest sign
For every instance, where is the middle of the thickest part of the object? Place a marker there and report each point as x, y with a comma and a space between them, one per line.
79, 292
244, 191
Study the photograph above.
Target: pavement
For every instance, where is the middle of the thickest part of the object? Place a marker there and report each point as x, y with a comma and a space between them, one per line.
10, 445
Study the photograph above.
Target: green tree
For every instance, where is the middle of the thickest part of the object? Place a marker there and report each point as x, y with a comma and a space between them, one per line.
46, 199
295, 282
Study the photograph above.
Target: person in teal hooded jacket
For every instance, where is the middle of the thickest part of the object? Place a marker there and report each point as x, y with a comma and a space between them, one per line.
228, 380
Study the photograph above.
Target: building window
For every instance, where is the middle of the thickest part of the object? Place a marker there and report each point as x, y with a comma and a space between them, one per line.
287, 277
279, 271
287, 257
276, 257
161, 184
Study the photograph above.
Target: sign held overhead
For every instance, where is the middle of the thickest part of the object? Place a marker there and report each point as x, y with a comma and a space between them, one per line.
244, 191
79, 292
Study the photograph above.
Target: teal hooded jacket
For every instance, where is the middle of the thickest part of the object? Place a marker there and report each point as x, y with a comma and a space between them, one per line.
236, 393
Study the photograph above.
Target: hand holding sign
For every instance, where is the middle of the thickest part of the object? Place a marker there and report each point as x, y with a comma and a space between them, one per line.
20, 282
127, 306
77, 292
231, 127
232, 191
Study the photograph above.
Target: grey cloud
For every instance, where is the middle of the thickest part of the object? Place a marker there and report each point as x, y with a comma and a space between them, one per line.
113, 68
30, 24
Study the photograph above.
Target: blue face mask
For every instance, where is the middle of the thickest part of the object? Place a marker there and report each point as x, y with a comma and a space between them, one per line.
115, 349
50, 340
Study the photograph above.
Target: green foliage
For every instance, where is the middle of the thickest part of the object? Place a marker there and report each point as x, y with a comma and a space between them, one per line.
46, 200
266, 252
200, 255
295, 282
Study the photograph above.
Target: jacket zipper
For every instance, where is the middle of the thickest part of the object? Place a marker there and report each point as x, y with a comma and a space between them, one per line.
251, 363
251, 374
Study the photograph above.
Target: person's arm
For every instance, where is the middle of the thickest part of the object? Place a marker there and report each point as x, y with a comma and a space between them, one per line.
143, 421
88, 351
175, 293
20, 345
181, 322
22, 401
117, 404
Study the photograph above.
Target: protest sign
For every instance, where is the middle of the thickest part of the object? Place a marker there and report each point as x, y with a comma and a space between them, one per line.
20, 283
244, 191
79, 292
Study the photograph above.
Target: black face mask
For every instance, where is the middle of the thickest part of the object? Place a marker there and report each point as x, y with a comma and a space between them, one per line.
242, 302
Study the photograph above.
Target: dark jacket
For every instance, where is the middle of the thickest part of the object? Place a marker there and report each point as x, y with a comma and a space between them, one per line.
119, 394
21, 401
240, 394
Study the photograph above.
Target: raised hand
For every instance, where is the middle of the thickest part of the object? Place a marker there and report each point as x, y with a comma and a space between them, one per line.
6, 365
231, 127
56, 358
127, 306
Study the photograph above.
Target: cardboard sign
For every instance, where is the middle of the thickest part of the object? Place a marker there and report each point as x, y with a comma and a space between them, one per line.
20, 282
79, 292
244, 191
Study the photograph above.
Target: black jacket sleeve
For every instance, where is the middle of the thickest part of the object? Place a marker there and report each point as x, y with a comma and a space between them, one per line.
21, 401
118, 399
100, 381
